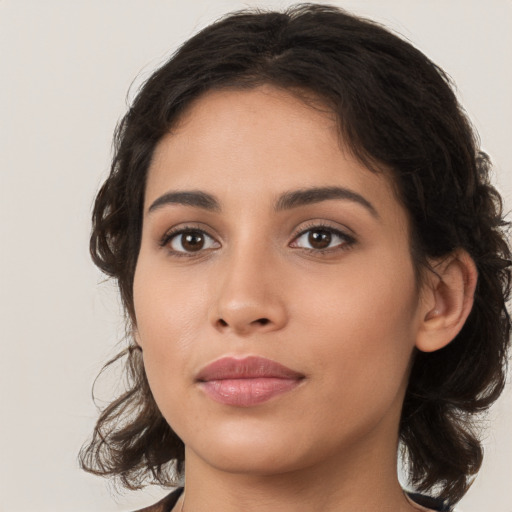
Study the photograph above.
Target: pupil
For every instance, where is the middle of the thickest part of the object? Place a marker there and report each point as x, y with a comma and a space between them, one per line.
320, 239
193, 241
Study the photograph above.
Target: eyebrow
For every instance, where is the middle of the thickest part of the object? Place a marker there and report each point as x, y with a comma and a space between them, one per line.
286, 201
194, 198
313, 195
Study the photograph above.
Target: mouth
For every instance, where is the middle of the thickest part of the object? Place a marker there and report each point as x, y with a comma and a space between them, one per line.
246, 382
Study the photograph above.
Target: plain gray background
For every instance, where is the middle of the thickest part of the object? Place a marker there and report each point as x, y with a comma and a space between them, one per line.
65, 70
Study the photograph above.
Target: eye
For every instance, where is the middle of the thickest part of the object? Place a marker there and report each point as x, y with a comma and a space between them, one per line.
322, 238
188, 241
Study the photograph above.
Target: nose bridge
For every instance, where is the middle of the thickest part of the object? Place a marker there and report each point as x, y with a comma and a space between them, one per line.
248, 297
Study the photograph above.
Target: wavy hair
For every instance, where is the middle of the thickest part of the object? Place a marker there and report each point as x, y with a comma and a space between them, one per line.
395, 108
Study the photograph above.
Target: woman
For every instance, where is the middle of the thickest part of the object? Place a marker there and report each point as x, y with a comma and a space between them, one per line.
314, 268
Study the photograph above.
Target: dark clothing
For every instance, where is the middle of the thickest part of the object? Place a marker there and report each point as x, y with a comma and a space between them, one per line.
428, 502
166, 504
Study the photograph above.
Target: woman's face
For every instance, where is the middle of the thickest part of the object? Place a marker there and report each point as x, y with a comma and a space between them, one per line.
263, 238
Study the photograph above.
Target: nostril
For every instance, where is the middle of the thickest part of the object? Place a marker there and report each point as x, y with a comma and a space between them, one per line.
221, 323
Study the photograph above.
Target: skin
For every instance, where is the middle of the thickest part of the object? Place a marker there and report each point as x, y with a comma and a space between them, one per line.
347, 318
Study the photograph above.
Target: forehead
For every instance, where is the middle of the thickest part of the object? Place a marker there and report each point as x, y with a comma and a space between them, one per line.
256, 144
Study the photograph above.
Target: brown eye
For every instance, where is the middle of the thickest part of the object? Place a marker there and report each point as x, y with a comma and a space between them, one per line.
319, 239
322, 239
191, 240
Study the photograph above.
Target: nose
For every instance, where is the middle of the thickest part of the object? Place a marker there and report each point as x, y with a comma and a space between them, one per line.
249, 295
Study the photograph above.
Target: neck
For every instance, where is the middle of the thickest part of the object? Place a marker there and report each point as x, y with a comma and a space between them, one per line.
352, 482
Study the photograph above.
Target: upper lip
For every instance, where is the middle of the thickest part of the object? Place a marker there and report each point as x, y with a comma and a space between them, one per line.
250, 367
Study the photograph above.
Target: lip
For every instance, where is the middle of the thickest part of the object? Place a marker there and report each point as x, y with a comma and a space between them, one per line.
248, 381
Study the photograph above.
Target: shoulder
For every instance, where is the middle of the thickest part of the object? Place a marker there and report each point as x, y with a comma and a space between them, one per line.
165, 504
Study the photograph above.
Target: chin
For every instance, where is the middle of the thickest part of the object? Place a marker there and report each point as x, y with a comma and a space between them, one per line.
250, 451
252, 462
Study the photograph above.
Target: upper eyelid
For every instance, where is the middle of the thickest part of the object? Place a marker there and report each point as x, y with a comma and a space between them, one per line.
184, 227
318, 224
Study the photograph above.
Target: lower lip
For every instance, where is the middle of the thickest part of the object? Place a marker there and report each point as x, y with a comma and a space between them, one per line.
247, 392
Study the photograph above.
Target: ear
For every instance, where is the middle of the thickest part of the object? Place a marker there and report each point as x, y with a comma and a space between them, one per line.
447, 299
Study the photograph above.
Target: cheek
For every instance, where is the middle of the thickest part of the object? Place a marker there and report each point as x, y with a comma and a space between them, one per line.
362, 327
359, 298
167, 306
166, 311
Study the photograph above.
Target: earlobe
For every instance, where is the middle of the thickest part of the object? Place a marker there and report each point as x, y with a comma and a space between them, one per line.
447, 300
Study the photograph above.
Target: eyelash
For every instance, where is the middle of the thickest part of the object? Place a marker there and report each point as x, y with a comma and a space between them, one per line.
347, 240
173, 233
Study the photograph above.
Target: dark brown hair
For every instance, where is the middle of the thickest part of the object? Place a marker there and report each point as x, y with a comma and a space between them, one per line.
395, 108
